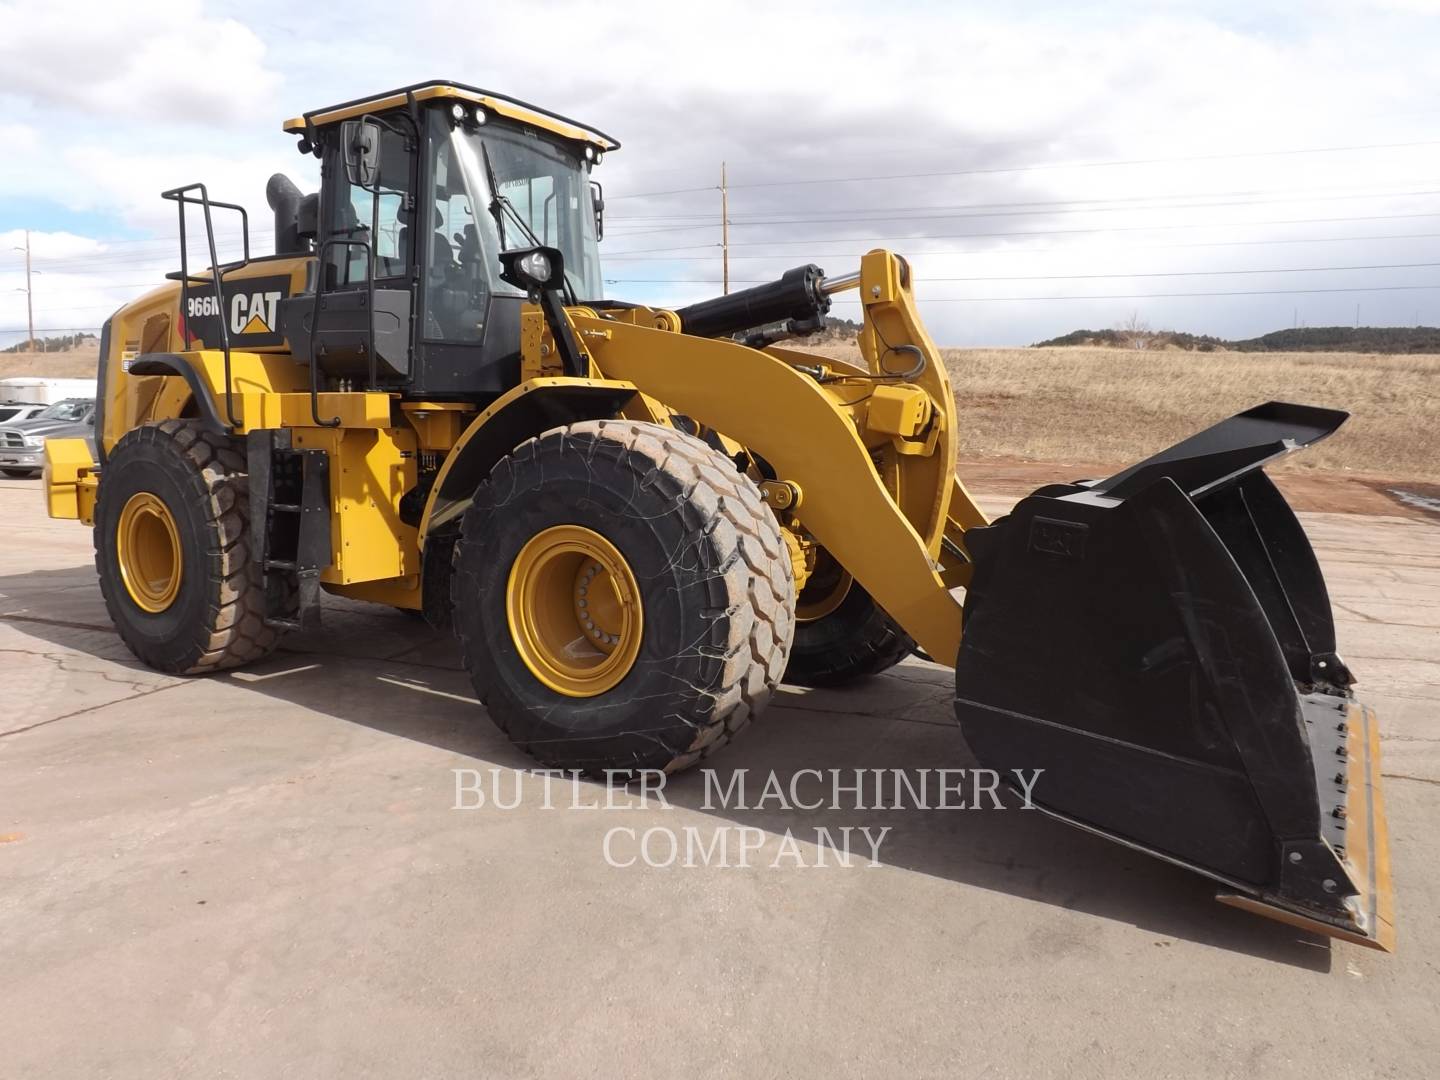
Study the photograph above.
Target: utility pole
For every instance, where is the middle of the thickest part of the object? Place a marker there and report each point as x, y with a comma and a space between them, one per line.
29, 298
724, 230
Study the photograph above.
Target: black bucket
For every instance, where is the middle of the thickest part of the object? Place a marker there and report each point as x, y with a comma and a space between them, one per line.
1160, 645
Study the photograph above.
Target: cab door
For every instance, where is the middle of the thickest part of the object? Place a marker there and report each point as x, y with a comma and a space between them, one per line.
367, 231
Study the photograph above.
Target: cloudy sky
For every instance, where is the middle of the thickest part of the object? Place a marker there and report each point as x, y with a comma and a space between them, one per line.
1219, 167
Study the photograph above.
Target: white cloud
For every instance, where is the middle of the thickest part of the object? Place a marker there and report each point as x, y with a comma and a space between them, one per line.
784, 94
146, 61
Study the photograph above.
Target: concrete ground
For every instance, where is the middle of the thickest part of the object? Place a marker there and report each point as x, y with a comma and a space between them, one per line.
260, 874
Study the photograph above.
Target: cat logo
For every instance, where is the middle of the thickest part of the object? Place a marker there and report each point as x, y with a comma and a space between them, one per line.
250, 310
253, 313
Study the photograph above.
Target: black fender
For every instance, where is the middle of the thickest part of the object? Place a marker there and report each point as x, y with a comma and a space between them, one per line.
174, 364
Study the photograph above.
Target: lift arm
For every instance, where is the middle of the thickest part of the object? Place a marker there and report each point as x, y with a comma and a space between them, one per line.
802, 428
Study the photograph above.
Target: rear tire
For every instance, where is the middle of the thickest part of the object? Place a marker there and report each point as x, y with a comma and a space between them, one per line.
201, 606
710, 613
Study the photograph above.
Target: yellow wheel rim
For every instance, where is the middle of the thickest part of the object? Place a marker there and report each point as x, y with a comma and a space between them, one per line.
826, 589
574, 611
147, 545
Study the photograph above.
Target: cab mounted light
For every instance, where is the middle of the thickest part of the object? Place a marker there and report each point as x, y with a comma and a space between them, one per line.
540, 271
535, 270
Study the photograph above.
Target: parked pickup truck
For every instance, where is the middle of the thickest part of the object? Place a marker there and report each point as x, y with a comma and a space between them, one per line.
22, 442
11, 411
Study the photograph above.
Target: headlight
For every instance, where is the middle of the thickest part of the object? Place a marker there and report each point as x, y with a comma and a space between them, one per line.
533, 269
33, 442
536, 266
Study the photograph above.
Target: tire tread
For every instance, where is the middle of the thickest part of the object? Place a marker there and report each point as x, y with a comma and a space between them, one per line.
234, 632
713, 501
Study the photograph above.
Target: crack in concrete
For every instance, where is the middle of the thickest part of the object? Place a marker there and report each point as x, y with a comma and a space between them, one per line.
65, 623
1407, 776
865, 715
88, 709
60, 660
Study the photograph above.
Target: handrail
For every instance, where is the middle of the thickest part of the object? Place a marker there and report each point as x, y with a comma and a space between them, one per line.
320, 266
181, 198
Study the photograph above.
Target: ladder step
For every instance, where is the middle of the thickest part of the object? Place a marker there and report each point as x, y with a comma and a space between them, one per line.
281, 564
283, 624
288, 508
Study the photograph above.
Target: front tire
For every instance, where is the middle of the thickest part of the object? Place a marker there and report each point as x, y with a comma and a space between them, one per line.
622, 597
172, 548
20, 474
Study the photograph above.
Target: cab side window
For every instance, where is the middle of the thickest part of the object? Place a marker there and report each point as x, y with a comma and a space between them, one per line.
352, 215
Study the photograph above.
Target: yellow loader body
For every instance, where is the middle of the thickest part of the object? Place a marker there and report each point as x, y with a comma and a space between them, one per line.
350, 415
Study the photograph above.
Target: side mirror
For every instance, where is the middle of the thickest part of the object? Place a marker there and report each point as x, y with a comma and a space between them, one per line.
360, 143
597, 196
90, 420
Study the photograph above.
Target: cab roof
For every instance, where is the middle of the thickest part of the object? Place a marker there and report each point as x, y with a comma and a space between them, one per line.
500, 104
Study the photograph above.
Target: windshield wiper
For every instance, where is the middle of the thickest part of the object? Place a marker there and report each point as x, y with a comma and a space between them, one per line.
500, 204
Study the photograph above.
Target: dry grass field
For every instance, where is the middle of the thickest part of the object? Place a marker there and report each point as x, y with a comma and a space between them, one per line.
1097, 406
69, 364
1113, 406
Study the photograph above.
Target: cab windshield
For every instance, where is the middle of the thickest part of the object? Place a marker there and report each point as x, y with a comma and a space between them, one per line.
546, 186
550, 192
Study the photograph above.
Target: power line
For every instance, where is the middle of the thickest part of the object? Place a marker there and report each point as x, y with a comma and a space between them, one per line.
1058, 209
1350, 191
1028, 232
51, 329
1195, 273
1157, 296
1074, 277
128, 258
1041, 250
1041, 166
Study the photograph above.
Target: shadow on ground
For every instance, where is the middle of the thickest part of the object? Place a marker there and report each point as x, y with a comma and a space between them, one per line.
392, 673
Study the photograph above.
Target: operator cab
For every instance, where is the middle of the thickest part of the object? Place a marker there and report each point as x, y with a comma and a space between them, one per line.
422, 189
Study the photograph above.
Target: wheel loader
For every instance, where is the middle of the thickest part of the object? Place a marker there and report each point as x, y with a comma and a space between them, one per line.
639, 521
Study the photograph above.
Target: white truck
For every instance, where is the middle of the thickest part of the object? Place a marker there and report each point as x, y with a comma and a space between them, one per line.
36, 390
33, 409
